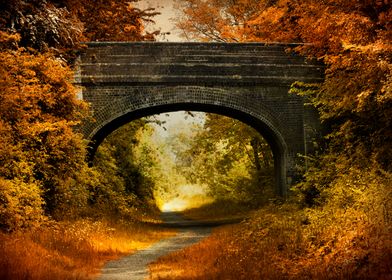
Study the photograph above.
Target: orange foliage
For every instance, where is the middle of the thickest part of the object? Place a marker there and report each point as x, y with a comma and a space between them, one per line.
353, 38
216, 20
325, 24
42, 158
64, 24
38, 111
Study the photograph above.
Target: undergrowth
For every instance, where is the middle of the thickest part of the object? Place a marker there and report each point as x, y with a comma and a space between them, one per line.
224, 209
218, 210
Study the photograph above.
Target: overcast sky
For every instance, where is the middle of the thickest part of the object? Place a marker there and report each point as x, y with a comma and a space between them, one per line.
164, 20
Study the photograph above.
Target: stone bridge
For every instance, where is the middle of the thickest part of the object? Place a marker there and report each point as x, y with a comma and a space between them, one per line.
246, 81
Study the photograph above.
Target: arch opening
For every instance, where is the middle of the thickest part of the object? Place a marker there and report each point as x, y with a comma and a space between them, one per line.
265, 129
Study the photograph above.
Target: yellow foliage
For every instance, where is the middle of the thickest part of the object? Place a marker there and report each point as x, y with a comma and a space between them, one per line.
39, 151
20, 204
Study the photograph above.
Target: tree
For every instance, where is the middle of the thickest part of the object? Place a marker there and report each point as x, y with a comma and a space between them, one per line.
351, 37
115, 20
42, 157
41, 24
228, 156
38, 111
63, 24
217, 20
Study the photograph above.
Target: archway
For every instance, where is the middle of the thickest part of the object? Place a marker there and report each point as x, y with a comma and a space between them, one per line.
145, 102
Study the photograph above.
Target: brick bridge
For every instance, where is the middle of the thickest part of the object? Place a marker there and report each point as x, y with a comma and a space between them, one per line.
249, 82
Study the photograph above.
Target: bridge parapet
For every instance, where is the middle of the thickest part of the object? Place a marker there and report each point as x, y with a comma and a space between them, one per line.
208, 64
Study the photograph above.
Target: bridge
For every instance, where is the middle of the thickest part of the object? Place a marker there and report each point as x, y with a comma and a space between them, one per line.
246, 81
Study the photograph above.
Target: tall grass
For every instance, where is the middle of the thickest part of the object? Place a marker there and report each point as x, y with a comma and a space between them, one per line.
71, 250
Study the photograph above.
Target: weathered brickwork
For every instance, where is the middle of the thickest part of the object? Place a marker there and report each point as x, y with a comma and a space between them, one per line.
249, 82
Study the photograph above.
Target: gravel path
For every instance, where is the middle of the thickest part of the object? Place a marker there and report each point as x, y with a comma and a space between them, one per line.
135, 266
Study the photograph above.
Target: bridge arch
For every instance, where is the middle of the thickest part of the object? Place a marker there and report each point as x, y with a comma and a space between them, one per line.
248, 81
144, 101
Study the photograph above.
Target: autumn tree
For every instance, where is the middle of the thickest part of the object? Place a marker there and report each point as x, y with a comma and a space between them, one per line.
38, 111
41, 24
63, 24
112, 20
351, 37
217, 20
42, 157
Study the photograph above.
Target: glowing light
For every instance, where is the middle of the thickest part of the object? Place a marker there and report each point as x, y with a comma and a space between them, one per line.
184, 197
176, 204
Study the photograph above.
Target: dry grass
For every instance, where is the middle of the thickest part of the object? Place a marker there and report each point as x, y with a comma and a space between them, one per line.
195, 262
228, 209
74, 250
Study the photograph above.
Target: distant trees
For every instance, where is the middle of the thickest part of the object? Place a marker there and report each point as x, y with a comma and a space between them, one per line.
228, 156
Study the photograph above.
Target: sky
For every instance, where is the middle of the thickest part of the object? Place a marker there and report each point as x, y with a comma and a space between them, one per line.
163, 22
174, 121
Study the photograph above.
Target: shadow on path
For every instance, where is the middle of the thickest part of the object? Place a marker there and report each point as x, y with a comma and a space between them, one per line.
135, 266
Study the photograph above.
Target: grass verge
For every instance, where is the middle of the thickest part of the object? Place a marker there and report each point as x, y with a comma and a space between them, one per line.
72, 250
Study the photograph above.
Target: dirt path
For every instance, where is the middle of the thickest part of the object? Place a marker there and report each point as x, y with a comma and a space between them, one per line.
135, 266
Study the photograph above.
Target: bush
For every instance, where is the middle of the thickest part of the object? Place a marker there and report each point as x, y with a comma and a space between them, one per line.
20, 204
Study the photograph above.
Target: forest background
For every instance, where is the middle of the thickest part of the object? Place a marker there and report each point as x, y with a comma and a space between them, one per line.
339, 214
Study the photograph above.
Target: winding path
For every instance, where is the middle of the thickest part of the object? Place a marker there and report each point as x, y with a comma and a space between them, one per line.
135, 266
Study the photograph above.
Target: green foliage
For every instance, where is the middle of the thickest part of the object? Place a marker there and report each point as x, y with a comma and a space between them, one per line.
108, 195
123, 145
126, 172
231, 158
